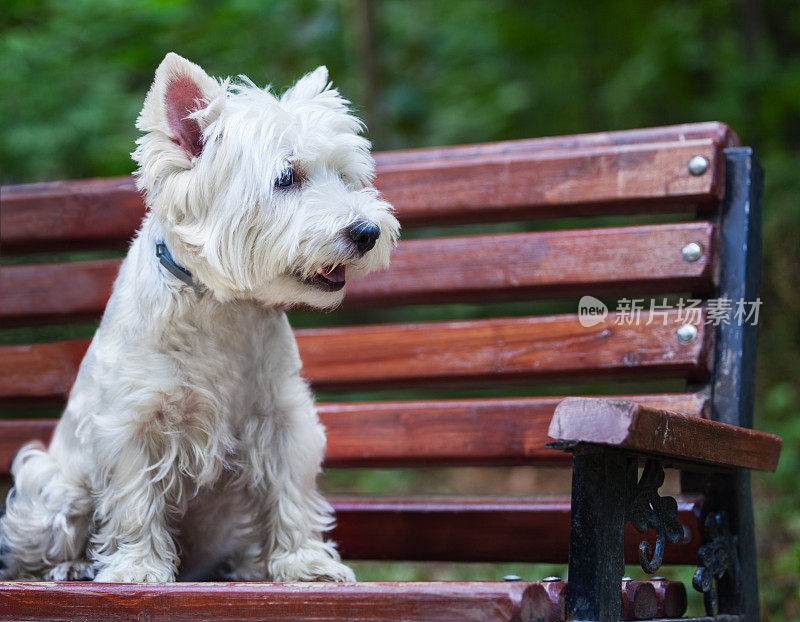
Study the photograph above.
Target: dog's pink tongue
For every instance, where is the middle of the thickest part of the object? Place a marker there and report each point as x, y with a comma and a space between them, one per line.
336, 275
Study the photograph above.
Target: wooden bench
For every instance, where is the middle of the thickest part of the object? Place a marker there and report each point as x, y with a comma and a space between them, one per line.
676, 186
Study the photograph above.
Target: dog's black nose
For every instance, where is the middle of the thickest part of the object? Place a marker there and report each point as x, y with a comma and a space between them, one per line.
364, 234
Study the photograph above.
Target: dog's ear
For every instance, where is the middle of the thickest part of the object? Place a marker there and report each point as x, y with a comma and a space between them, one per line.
309, 86
180, 93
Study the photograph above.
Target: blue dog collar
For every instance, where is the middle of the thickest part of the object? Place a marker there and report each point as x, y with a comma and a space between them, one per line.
165, 257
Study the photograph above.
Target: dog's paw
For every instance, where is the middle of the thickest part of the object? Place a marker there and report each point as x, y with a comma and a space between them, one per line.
309, 565
335, 571
134, 571
71, 571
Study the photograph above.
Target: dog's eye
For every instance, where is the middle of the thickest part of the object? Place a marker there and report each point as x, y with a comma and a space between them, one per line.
286, 179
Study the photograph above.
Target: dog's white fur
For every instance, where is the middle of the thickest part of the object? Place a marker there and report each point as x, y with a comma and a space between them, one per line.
190, 444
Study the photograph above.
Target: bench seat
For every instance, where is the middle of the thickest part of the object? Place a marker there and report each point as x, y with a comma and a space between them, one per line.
500, 242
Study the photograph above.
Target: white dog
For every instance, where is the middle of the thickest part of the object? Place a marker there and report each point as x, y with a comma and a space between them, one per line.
190, 445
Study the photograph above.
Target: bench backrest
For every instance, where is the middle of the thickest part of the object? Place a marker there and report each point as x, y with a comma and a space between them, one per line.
640, 181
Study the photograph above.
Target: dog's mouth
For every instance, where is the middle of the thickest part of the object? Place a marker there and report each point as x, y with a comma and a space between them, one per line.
329, 278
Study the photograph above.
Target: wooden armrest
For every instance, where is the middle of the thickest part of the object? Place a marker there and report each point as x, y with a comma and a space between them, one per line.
648, 430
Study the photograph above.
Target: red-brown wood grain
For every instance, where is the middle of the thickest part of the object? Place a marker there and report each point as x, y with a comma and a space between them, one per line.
490, 267
229, 602
645, 429
557, 592
719, 133
546, 184
542, 264
498, 350
69, 214
521, 601
432, 353
415, 433
519, 180
639, 600
468, 431
42, 372
672, 599
14, 433
482, 529
61, 291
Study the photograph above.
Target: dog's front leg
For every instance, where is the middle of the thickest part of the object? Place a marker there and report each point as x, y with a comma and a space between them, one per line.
291, 516
133, 543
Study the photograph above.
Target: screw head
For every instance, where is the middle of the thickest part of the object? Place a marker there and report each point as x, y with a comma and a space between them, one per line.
698, 165
692, 252
512, 577
686, 333
551, 579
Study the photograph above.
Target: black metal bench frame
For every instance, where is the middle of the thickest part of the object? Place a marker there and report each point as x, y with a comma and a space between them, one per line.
602, 475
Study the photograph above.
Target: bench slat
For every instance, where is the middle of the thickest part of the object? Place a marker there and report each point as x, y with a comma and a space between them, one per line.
481, 529
553, 184
37, 293
497, 350
434, 353
474, 431
542, 264
320, 602
415, 433
719, 133
92, 213
491, 267
229, 602
491, 186
40, 372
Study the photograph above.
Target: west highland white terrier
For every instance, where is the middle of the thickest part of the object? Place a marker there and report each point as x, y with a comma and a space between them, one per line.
190, 445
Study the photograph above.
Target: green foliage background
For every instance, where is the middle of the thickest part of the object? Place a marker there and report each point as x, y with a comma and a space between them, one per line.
73, 74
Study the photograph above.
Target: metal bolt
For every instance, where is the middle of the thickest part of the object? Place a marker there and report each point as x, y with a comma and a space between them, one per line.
686, 333
698, 165
550, 579
512, 577
692, 252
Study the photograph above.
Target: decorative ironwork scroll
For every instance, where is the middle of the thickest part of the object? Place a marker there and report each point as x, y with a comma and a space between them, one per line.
647, 510
716, 558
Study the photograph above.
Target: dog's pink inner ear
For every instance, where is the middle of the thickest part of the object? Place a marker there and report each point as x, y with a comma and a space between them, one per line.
181, 100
